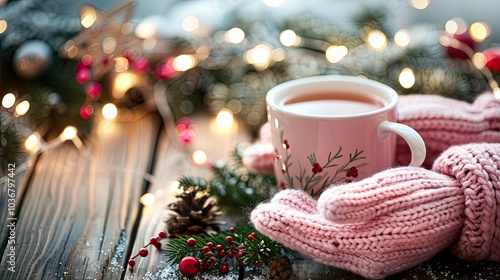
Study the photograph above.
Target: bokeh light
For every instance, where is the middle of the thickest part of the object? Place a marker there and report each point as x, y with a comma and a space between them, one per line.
234, 35
225, 118
109, 111
335, 53
3, 26
402, 38
289, 38
184, 62
377, 40
22, 108
274, 3
407, 78
199, 157
455, 26
419, 4
69, 133
32, 143
147, 199
190, 23
479, 31
8, 100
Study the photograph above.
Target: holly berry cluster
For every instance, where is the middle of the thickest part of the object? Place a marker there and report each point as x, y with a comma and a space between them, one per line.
238, 249
143, 252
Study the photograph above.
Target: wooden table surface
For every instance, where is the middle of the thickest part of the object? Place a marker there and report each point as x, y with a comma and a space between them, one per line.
78, 215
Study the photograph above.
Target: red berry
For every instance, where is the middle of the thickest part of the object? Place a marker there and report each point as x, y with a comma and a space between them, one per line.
210, 245
349, 174
143, 252
189, 266
231, 247
83, 75
230, 254
224, 269
254, 234
162, 234
191, 242
131, 262
250, 237
232, 229
258, 264
229, 239
153, 240
239, 255
206, 249
86, 111
158, 245
241, 247
222, 254
219, 247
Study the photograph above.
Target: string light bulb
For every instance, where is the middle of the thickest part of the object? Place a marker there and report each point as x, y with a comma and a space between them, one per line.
69, 133
8, 100
234, 35
32, 143
419, 4
184, 62
147, 199
88, 17
199, 157
402, 38
22, 108
190, 23
377, 40
407, 78
479, 31
289, 38
3, 26
335, 53
109, 111
225, 118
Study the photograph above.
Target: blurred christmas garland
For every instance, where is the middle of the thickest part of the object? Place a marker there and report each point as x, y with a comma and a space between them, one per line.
230, 69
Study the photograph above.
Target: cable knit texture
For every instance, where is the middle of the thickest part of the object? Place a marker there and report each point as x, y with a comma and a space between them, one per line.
443, 122
397, 218
477, 170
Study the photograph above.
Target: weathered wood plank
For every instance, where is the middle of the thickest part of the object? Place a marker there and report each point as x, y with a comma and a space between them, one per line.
80, 206
171, 164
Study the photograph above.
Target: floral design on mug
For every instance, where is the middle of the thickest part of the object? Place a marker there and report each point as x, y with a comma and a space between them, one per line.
311, 177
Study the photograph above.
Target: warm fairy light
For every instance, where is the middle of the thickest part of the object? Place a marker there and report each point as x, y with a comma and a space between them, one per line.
145, 30
199, 157
176, 187
479, 31
109, 111
335, 53
419, 4
147, 199
479, 60
455, 26
121, 64
377, 40
225, 118
496, 92
407, 78
69, 133
402, 38
109, 45
88, 18
274, 3
3, 26
190, 23
22, 108
32, 143
289, 38
184, 62
234, 35
278, 54
123, 82
258, 56
8, 100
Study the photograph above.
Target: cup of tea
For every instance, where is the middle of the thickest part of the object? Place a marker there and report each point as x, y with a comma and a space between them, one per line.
332, 129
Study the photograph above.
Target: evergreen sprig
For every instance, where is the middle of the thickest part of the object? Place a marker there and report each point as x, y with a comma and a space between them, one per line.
255, 248
235, 188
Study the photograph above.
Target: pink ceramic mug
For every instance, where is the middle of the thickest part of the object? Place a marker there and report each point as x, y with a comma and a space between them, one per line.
334, 129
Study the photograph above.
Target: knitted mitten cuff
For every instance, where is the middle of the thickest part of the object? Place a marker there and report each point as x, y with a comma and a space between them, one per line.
443, 122
476, 168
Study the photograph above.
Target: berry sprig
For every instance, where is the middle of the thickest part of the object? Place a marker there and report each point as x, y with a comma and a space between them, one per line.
143, 252
235, 248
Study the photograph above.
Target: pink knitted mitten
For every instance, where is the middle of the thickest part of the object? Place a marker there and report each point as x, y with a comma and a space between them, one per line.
444, 122
397, 218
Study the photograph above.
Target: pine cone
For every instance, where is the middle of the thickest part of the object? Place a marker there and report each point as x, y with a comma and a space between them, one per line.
193, 214
280, 269
208, 261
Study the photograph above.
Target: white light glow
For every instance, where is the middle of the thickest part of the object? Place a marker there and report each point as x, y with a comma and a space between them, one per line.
199, 157
190, 23
109, 111
402, 38
32, 143
123, 82
22, 108
419, 4
407, 78
184, 62
455, 26
3, 26
335, 53
234, 35
147, 199
225, 118
69, 133
479, 60
377, 40
8, 100
479, 31
274, 3
289, 38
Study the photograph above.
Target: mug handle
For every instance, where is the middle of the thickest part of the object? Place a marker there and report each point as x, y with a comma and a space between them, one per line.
414, 140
